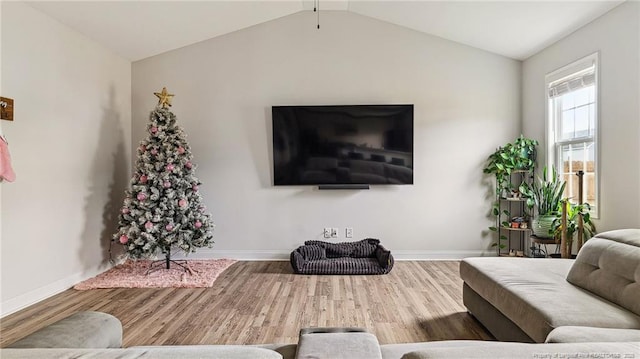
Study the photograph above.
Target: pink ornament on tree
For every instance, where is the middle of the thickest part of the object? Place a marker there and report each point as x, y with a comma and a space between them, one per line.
125, 210
182, 203
166, 184
188, 164
148, 225
143, 148
194, 188
170, 167
153, 129
198, 224
141, 196
169, 227
180, 150
124, 239
143, 179
154, 151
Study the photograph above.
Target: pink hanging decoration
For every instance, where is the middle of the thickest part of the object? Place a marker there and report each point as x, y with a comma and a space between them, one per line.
125, 210
148, 225
188, 164
141, 196
166, 184
194, 188
124, 239
198, 224
6, 171
170, 167
180, 150
154, 151
182, 203
143, 179
153, 129
169, 227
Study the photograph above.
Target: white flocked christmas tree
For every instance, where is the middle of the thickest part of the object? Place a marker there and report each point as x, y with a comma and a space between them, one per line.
163, 209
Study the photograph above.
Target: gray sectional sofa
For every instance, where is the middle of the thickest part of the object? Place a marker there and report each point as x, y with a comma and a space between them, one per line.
587, 308
99, 337
523, 300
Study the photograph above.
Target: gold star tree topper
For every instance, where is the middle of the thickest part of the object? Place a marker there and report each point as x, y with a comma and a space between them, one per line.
164, 97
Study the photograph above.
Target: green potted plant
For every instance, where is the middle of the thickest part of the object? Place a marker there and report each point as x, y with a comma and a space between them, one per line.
578, 224
545, 195
512, 157
517, 156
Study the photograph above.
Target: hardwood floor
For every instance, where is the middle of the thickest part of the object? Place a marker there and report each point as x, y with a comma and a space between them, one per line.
264, 302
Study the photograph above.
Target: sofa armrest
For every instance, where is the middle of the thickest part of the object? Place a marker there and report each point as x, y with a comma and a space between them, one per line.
385, 259
93, 330
574, 334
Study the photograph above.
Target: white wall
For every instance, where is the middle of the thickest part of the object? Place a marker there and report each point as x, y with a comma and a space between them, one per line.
467, 102
70, 145
616, 35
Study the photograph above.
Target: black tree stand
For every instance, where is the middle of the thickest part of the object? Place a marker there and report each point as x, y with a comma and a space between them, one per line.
155, 265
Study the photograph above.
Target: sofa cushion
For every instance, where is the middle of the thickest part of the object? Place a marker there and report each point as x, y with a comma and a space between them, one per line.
572, 334
337, 345
499, 350
396, 351
534, 294
609, 266
79, 330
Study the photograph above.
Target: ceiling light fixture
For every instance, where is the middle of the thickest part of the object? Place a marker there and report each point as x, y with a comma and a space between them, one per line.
316, 9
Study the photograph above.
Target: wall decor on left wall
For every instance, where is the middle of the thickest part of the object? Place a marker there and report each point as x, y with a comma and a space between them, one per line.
6, 108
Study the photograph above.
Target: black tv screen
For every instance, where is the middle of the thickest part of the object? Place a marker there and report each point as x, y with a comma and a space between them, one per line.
342, 145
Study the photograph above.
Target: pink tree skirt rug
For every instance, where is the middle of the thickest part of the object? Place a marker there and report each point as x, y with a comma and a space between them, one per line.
133, 274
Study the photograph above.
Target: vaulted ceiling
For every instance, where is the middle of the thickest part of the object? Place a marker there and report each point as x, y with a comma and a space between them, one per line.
140, 29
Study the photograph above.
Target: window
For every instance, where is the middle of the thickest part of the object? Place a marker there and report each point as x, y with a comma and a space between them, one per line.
572, 127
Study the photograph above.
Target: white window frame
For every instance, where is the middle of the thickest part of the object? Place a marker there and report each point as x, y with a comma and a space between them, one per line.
552, 153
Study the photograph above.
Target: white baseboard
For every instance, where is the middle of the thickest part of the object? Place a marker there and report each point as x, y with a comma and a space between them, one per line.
32, 297
283, 255
412, 255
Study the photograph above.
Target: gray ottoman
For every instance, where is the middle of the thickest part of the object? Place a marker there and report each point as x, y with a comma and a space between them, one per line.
337, 343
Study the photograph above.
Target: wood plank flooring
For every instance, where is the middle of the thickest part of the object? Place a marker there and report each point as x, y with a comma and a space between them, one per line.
264, 302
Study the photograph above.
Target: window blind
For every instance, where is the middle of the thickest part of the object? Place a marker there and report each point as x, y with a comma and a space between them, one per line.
572, 83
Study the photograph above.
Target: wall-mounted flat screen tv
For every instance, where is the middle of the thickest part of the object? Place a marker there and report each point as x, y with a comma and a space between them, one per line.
342, 145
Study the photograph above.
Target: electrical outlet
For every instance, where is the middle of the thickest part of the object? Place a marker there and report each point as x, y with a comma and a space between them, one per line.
334, 232
327, 232
348, 232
